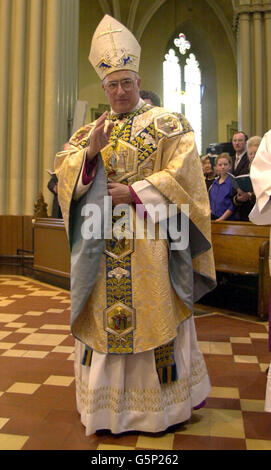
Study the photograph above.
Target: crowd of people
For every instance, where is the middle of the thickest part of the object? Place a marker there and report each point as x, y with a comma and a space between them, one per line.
227, 200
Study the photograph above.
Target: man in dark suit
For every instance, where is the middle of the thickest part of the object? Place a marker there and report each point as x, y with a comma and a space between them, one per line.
240, 161
240, 166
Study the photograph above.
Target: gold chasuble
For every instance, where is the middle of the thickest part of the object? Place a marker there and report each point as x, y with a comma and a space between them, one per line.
134, 305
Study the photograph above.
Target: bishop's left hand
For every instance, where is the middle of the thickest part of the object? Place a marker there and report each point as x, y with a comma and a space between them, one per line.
120, 193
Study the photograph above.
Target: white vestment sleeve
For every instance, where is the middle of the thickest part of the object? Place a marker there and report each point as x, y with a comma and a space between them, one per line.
260, 172
149, 196
263, 217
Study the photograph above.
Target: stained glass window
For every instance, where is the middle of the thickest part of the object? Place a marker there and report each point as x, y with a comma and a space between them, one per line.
172, 81
182, 43
182, 89
192, 78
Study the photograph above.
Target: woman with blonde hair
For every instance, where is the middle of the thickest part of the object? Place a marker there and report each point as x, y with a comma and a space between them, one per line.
252, 147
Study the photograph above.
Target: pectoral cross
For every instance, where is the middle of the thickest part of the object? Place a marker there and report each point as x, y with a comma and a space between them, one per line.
110, 32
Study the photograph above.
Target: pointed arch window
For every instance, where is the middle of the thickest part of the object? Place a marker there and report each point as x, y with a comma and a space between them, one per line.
182, 89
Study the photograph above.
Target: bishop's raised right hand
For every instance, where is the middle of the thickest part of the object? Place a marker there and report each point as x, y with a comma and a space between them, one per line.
99, 137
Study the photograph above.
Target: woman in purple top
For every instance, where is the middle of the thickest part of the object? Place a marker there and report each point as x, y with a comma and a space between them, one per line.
221, 191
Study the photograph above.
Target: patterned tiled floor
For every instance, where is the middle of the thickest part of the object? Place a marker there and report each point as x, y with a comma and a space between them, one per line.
37, 390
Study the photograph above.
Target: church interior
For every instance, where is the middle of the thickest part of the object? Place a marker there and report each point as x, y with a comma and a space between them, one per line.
48, 90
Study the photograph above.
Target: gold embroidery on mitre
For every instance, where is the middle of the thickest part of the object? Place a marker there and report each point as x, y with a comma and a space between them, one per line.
113, 47
116, 58
120, 59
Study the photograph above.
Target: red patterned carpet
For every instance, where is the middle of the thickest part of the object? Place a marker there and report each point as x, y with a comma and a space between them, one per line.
37, 390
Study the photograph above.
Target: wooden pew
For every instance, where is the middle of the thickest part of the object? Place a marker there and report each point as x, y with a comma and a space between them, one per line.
239, 247
16, 239
243, 248
51, 251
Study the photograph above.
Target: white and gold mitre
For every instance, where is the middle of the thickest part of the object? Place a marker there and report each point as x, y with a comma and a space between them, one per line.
113, 48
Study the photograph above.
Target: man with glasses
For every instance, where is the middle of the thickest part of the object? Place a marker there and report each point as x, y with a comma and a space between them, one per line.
138, 366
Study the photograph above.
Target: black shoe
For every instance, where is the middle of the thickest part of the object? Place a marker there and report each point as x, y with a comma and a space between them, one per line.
102, 432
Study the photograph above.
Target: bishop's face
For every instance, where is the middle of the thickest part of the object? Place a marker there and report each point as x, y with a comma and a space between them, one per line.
122, 90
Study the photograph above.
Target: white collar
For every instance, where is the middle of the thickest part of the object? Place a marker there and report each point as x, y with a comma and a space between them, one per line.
238, 157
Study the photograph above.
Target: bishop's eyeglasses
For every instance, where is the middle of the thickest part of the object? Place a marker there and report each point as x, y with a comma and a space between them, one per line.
127, 84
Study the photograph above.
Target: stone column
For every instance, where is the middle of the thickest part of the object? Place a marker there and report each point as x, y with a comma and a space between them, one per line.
267, 28
5, 37
244, 74
51, 79
38, 90
34, 104
61, 41
258, 72
17, 107
72, 60
254, 65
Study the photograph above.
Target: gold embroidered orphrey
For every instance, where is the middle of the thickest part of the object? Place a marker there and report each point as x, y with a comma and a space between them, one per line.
119, 248
119, 319
120, 162
118, 273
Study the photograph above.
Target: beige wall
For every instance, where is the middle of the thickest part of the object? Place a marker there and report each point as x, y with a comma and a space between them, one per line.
38, 76
209, 42
38, 81
42, 69
89, 85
